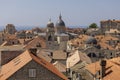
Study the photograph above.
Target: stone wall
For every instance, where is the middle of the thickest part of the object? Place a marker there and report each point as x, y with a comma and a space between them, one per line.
110, 24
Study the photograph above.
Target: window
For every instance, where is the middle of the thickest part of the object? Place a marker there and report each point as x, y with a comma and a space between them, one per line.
92, 55
13, 43
2, 39
50, 38
32, 72
111, 54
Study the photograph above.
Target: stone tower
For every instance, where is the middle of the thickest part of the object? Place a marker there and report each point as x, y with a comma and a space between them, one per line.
50, 34
10, 29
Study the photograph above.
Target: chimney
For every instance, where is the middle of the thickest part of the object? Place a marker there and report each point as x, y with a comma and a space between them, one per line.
33, 51
67, 54
51, 54
103, 67
113, 19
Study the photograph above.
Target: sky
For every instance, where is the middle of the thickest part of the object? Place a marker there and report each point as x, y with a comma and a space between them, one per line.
74, 12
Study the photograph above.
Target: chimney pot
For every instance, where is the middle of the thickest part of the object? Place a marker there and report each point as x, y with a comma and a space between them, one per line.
103, 65
33, 51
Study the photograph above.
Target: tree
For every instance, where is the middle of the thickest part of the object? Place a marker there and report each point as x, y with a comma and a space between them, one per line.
93, 25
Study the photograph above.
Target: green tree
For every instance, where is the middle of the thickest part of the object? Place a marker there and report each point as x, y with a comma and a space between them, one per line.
93, 25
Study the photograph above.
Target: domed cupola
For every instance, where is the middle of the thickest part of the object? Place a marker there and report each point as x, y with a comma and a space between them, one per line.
60, 26
50, 24
60, 22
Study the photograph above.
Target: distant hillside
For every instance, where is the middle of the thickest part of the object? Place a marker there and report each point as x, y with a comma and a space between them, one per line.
31, 27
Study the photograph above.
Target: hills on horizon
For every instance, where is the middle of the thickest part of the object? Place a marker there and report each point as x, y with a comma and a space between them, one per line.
31, 27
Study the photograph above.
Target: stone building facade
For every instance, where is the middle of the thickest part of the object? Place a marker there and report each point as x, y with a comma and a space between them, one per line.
10, 29
95, 51
24, 34
34, 71
110, 24
50, 34
27, 66
2, 38
56, 37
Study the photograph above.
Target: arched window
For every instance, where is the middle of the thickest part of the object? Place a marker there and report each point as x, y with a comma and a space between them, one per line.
111, 54
92, 55
13, 43
89, 54
50, 38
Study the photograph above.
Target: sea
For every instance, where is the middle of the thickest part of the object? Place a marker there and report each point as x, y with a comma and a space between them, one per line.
19, 28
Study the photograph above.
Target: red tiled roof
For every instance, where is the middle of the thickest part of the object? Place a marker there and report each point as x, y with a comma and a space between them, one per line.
7, 56
103, 39
79, 41
60, 66
49, 66
35, 41
59, 54
113, 65
10, 68
11, 36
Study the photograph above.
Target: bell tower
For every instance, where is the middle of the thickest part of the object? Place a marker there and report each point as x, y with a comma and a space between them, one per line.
50, 34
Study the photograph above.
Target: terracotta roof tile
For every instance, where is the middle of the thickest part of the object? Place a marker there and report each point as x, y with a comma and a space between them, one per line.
61, 67
102, 40
112, 65
49, 66
7, 56
25, 41
17, 63
80, 41
35, 41
59, 54
77, 57
10, 68
44, 55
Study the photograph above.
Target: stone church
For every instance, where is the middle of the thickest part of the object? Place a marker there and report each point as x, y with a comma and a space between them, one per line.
56, 37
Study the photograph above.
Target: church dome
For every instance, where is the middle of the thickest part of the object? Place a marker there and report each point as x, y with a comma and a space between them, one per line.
60, 22
91, 40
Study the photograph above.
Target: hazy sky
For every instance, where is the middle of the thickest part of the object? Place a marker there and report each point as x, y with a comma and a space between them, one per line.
74, 12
